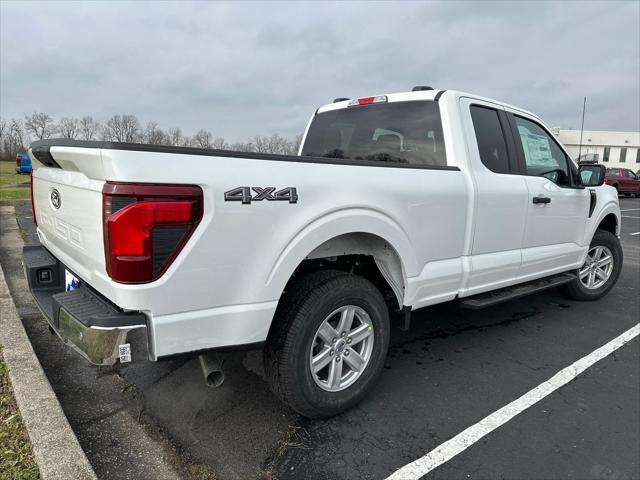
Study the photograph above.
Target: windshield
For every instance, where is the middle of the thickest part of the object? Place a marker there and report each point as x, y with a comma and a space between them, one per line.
402, 132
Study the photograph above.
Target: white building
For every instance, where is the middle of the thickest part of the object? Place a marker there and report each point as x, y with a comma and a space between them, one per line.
613, 149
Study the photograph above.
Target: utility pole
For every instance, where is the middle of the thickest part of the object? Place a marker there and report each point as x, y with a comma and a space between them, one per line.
584, 106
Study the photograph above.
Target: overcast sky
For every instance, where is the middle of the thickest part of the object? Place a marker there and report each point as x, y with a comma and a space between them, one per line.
241, 69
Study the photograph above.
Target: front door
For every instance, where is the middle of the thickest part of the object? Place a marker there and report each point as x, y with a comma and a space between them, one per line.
558, 206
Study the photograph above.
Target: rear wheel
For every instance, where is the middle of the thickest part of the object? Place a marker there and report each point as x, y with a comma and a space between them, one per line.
328, 343
601, 269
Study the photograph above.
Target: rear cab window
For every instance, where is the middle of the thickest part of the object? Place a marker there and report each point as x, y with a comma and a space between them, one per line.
397, 132
490, 137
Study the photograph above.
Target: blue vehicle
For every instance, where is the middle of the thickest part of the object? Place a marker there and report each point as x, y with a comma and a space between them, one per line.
23, 163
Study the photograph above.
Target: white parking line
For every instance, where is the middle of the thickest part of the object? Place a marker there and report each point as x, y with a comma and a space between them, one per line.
449, 449
628, 216
635, 233
629, 209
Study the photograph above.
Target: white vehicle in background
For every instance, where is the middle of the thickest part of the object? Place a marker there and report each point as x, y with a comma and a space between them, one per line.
395, 202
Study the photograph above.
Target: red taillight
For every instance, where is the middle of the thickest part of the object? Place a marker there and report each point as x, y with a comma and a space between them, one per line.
33, 207
18, 160
146, 226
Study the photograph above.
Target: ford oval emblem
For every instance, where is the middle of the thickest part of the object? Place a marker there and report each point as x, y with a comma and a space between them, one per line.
55, 198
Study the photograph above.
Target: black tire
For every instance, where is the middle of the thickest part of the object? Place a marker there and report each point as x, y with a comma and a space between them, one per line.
300, 313
577, 291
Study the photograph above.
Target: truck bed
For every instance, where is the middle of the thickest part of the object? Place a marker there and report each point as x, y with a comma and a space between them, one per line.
237, 262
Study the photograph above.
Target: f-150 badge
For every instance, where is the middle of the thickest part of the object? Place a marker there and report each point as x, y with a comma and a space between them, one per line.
244, 194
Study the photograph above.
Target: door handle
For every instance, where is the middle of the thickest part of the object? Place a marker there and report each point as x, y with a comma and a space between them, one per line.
541, 200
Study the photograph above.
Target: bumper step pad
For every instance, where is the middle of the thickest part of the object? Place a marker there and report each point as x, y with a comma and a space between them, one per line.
82, 318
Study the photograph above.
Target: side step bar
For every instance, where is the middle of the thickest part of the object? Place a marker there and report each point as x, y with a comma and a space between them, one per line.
495, 297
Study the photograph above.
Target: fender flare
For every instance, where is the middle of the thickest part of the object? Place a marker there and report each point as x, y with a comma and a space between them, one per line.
331, 225
610, 208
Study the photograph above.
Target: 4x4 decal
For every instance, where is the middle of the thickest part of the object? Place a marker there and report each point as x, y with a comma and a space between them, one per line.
243, 194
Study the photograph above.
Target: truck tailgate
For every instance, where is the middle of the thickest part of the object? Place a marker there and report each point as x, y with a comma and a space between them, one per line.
68, 210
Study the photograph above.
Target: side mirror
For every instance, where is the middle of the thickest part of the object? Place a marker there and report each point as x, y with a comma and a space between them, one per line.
592, 175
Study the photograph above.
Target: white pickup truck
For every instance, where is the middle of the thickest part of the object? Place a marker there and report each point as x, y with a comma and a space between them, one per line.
395, 202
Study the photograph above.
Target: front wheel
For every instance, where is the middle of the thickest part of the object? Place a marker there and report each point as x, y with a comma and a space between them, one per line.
328, 343
601, 269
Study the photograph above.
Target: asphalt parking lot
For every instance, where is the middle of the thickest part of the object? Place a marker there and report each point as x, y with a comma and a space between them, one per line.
449, 371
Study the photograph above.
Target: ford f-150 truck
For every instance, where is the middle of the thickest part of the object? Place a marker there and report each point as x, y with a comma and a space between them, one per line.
394, 202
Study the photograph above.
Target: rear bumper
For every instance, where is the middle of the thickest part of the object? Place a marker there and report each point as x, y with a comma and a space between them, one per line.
83, 319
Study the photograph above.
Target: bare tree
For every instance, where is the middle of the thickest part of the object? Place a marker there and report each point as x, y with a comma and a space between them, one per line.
40, 125
3, 131
295, 145
89, 129
274, 144
69, 127
279, 145
242, 147
19, 137
219, 144
14, 139
202, 139
14, 135
175, 136
3, 135
260, 144
125, 128
154, 135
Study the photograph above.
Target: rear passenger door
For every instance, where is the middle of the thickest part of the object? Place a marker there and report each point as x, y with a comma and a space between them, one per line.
500, 203
557, 205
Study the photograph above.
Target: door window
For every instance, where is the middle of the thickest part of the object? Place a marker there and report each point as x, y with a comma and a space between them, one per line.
542, 154
631, 175
490, 137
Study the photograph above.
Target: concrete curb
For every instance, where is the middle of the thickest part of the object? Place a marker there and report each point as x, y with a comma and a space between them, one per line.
56, 448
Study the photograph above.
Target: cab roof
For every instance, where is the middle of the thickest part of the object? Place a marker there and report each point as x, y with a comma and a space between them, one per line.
424, 95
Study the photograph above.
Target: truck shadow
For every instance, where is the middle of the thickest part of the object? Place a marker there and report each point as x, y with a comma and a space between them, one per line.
241, 428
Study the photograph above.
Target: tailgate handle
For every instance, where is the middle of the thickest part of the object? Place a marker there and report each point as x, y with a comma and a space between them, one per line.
541, 200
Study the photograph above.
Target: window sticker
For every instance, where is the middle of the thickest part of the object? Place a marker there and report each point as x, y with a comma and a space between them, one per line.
537, 150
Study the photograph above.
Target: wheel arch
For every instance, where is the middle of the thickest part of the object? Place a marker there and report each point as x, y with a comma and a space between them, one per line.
348, 251
609, 223
349, 232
